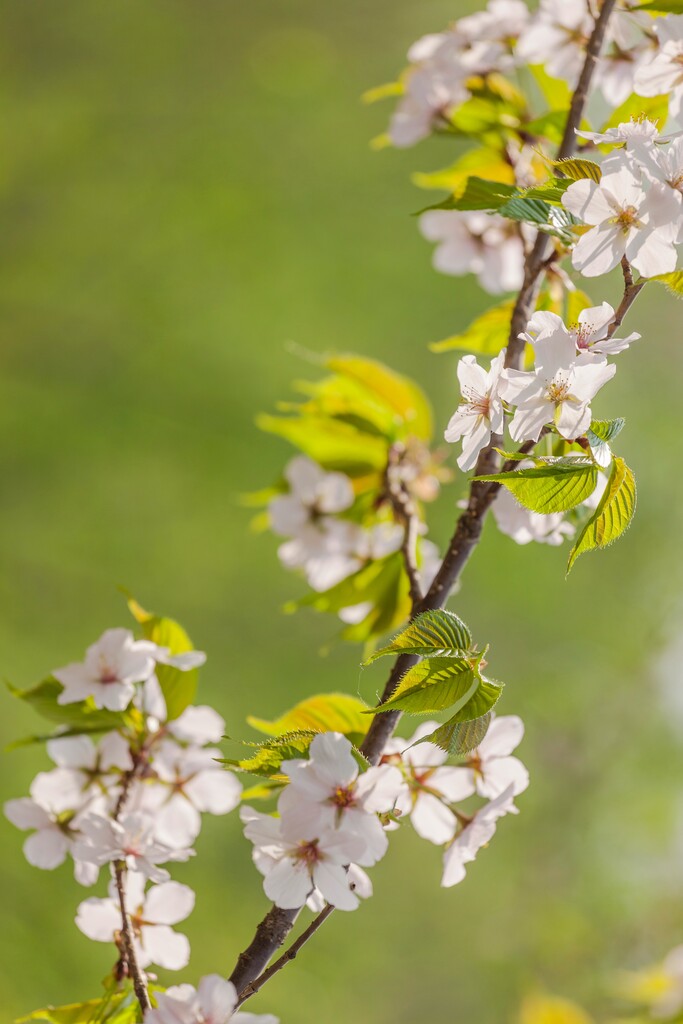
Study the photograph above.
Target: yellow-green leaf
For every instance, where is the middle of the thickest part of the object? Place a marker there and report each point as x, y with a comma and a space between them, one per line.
577, 168
483, 163
553, 486
436, 633
325, 712
672, 281
178, 688
398, 392
612, 516
458, 737
486, 335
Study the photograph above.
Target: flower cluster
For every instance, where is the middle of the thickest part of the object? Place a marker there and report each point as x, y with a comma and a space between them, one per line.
333, 819
214, 1001
134, 798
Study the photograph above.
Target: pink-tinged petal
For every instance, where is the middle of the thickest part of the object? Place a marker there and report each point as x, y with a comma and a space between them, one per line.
288, 884
432, 820
590, 374
98, 919
254, 1018
114, 752
287, 515
587, 201
330, 754
599, 250
504, 735
499, 774
453, 867
112, 696
164, 947
656, 78
461, 422
359, 881
333, 883
422, 755
178, 823
304, 476
597, 318
554, 352
214, 792
652, 253
168, 903
59, 790
529, 420
365, 827
621, 181
335, 493
199, 724
453, 783
473, 443
472, 376
85, 874
302, 819
262, 829
544, 322
378, 788
217, 998
76, 681
26, 813
72, 752
46, 849
572, 419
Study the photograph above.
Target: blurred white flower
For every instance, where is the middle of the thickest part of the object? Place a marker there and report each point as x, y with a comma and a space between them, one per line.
475, 833
213, 1002
131, 840
112, 667
476, 243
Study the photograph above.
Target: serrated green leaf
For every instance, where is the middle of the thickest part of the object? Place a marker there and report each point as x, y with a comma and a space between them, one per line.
613, 514
530, 211
269, 755
179, 688
433, 685
457, 737
486, 335
554, 487
436, 633
672, 281
604, 431
325, 712
577, 168
552, 191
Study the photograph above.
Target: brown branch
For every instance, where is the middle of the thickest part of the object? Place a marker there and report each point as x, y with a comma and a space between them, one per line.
272, 932
632, 290
134, 971
287, 956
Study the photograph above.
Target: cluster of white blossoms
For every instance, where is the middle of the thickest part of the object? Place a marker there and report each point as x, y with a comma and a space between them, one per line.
470, 242
325, 545
570, 367
333, 819
214, 1001
134, 797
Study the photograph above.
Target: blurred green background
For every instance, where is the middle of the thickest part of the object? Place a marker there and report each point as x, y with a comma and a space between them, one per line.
186, 189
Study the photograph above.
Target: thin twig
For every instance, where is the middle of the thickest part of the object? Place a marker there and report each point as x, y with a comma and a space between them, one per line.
287, 956
405, 513
272, 932
135, 972
631, 292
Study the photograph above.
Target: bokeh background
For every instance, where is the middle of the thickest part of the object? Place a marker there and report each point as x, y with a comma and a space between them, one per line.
187, 188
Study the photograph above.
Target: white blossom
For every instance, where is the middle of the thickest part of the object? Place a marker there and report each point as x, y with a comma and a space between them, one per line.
294, 867
559, 390
312, 493
51, 813
589, 334
640, 131
525, 526
151, 915
627, 217
112, 667
431, 785
329, 792
131, 840
491, 767
557, 38
213, 1002
664, 164
91, 768
475, 833
663, 75
480, 413
470, 242
191, 782
198, 724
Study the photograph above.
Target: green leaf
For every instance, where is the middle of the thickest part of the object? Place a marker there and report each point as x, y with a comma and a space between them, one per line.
486, 335
556, 486
332, 443
478, 194
82, 716
178, 688
604, 431
673, 282
552, 190
549, 125
457, 737
555, 90
662, 7
577, 168
577, 301
269, 755
612, 516
325, 712
552, 220
408, 402
118, 1008
437, 633
484, 162
439, 683
656, 108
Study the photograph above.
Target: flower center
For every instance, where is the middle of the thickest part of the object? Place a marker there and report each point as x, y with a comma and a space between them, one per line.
308, 853
557, 389
343, 797
627, 219
481, 404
